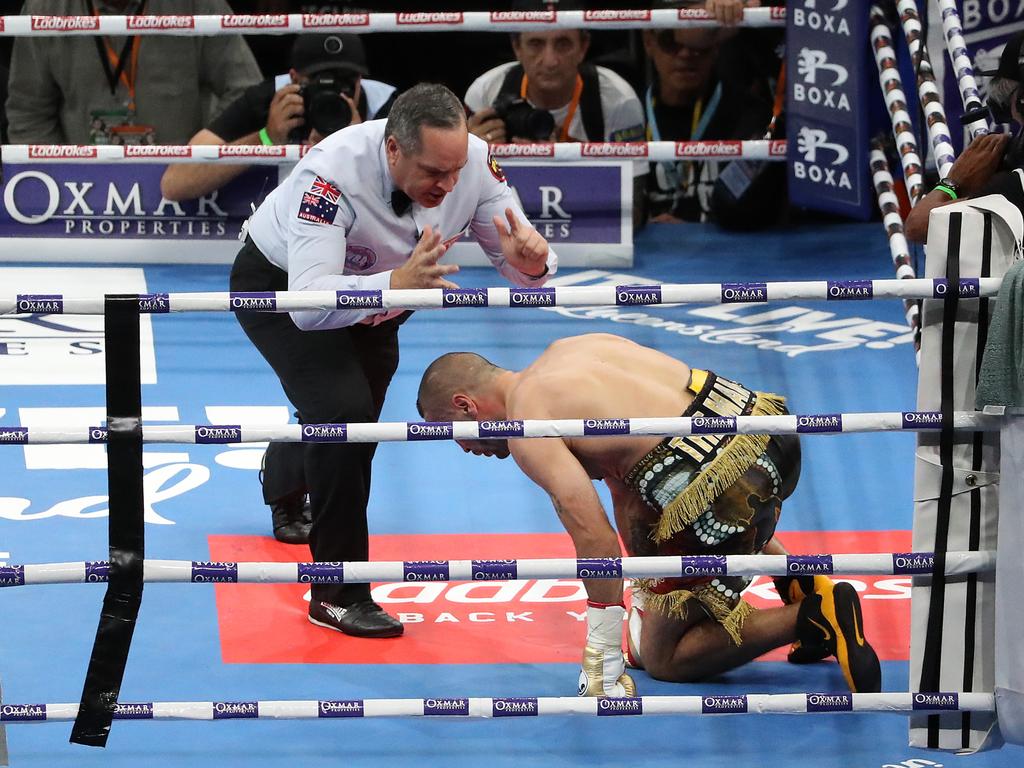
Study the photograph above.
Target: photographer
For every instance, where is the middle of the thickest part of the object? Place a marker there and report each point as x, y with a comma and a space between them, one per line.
549, 94
992, 164
118, 89
325, 90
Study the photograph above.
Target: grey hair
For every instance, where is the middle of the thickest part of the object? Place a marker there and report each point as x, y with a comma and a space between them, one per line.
426, 104
1001, 90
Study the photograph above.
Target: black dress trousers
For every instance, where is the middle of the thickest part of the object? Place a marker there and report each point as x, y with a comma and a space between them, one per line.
331, 376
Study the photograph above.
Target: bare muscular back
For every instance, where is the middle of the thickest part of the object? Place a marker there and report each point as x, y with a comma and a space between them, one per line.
601, 376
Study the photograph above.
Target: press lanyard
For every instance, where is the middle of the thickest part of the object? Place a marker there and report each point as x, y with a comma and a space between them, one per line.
576, 93
673, 171
699, 123
116, 66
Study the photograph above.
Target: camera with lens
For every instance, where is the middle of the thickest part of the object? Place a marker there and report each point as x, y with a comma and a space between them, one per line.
324, 109
523, 120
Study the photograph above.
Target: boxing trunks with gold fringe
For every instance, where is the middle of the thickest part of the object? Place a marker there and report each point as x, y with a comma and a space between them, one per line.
714, 495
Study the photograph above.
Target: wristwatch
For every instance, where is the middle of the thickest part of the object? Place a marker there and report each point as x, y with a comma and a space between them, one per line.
951, 185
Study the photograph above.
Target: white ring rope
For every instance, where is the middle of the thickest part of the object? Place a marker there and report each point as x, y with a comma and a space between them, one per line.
282, 154
417, 571
561, 296
420, 431
956, 46
889, 206
931, 103
417, 21
896, 101
526, 706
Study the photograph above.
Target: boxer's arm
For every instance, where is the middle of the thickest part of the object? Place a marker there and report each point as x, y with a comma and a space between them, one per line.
551, 465
627, 506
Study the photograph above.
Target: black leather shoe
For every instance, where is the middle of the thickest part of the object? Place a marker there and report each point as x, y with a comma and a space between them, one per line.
291, 519
365, 619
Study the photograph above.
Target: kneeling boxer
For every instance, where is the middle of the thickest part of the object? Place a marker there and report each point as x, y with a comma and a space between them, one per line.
693, 495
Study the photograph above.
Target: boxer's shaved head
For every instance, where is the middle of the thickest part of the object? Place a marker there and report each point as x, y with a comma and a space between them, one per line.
451, 374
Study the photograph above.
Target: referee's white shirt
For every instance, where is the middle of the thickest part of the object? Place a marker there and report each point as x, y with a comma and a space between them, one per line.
356, 246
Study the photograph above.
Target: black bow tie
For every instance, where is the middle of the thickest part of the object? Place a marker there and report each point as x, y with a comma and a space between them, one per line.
400, 202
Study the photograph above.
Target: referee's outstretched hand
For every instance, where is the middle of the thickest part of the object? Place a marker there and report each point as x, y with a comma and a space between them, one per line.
422, 269
522, 246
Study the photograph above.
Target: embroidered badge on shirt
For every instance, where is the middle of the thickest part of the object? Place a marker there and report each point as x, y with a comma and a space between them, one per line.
320, 203
495, 169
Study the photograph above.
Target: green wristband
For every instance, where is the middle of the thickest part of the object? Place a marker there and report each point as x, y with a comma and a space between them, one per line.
265, 139
947, 190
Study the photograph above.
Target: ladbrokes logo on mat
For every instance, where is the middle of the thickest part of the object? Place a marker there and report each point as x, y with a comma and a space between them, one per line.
488, 622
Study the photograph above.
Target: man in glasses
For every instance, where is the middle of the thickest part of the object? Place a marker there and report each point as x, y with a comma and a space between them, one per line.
991, 164
688, 101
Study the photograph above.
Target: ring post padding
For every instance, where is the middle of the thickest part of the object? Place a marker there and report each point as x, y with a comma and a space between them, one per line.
1009, 677
963, 634
932, 658
126, 531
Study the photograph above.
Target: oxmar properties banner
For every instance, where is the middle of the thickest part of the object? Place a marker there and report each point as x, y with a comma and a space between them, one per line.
114, 212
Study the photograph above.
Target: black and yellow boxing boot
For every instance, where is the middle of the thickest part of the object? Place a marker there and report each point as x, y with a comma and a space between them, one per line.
833, 619
793, 589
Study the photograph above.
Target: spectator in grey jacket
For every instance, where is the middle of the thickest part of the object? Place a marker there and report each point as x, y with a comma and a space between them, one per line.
122, 90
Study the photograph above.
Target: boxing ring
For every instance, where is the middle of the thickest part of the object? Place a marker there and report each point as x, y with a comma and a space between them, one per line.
785, 325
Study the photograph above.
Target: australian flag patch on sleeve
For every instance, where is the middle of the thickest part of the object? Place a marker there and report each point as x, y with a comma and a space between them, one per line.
320, 202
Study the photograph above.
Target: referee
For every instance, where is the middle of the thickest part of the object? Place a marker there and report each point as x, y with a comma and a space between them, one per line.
373, 206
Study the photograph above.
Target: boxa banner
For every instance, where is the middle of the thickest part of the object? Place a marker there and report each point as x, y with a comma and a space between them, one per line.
114, 212
829, 71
